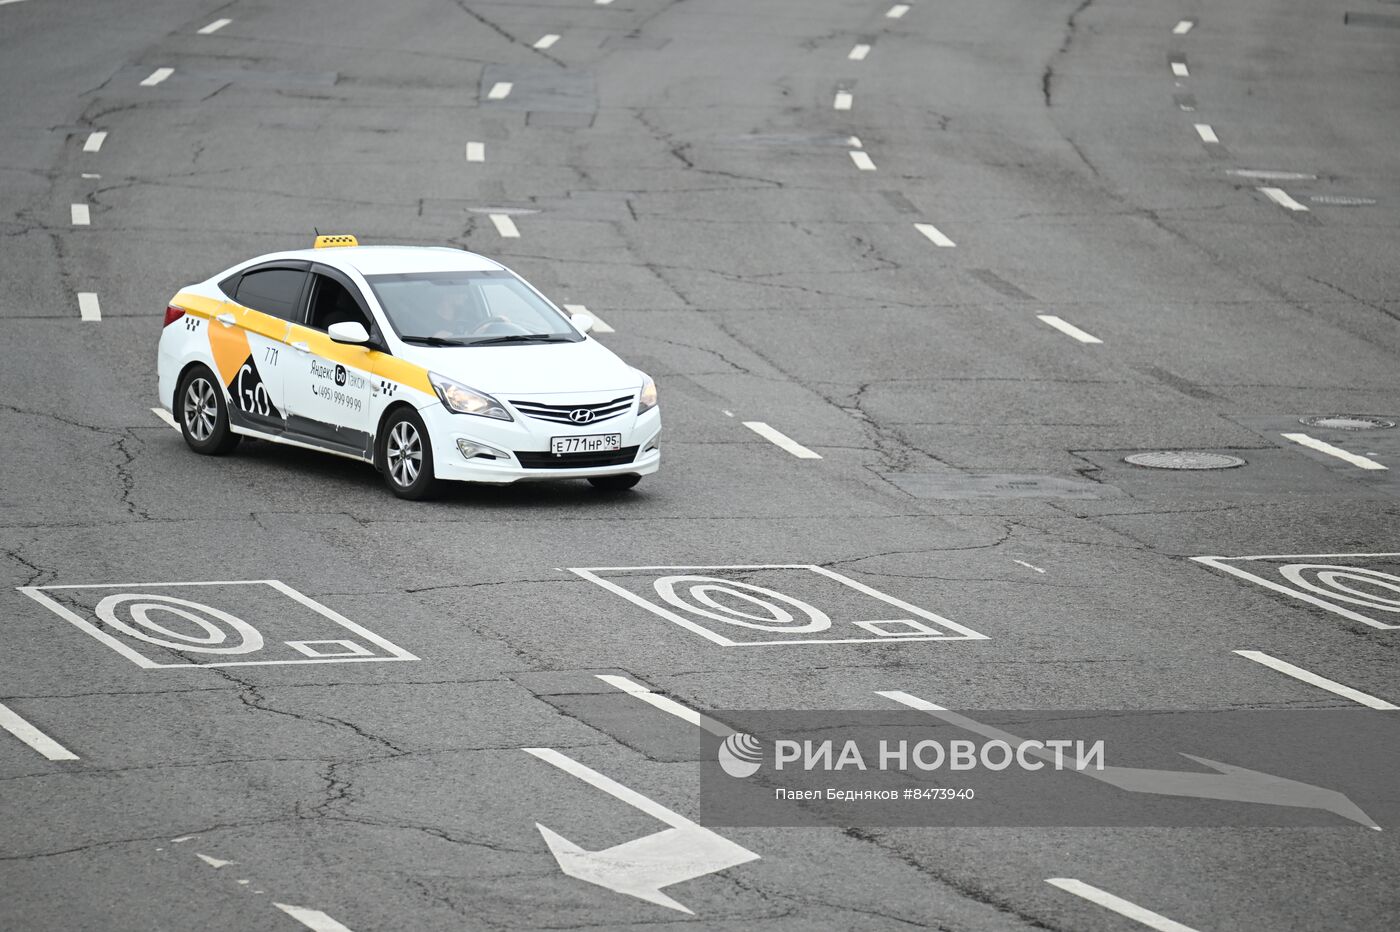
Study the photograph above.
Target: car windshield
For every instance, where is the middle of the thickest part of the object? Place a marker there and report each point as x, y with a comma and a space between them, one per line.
467, 309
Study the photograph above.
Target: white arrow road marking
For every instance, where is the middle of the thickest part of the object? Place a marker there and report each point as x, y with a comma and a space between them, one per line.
215, 863
1312, 679
641, 867
1321, 446
667, 704
1230, 783
1119, 905
36, 739
313, 919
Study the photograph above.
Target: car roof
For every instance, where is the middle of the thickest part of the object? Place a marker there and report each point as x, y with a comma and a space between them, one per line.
388, 260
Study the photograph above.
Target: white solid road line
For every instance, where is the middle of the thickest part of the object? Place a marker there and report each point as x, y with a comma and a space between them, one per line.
215, 863
94, 141
165, 416
933, 233
1312, 679
1206, 133
602, 2
1069, 329
1029, 566
500, 90
80, 214
1183, 27
665, 704
8, 2
545, 41
1179, 69
313, 919
36, 739
862, 160
898, 10
1321, 446
505, 226
157, 76
1119, 905
213, 27
781, 439
1281, 198
88, 308
476, 152
598, 325
859, 52
843, 100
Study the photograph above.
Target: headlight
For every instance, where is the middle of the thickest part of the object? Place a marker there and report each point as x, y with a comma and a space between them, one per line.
458, 397
648, 398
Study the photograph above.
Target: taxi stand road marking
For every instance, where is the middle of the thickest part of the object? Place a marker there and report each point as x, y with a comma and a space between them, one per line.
598, 325
313, 919
505, 226
545, 41
935, 235
500, 90
1321, 446
1068, 328
476, 152
862, 160
94, 141
213, 27
1222, 564
1312, 679
80, 214
88, 308
666, 704
165, 416
36, 739
782, 440
157, 76
1118, 905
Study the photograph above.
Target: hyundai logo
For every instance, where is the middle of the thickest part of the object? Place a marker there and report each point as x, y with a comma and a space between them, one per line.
581, 416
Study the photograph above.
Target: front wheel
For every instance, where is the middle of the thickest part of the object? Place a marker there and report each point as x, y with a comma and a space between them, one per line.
406, 456
203, 414
615, 483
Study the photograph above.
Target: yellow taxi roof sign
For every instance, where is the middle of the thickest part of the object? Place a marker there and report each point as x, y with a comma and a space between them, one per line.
326, 242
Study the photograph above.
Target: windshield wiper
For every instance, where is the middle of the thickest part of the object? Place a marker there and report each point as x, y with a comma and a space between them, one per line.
437, 341
524, 338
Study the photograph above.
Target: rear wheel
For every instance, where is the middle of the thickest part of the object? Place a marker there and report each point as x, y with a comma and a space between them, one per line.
615, 483
203, 414
406, 456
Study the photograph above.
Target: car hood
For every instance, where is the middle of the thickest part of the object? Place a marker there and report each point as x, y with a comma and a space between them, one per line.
529, 368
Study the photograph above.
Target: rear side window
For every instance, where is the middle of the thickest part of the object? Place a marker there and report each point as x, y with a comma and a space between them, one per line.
272, 291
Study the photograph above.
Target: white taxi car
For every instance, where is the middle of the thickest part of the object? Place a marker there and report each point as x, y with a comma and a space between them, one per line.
429, 362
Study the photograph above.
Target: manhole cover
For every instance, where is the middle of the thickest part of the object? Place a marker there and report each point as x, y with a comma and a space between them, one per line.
1342, 200
1347, 421
1184, 459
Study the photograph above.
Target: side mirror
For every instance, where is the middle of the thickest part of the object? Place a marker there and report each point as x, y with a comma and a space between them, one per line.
583, 322
348, 332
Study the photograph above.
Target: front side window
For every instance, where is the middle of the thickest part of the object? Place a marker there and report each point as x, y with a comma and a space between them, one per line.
272, 291
331, 303
468, 309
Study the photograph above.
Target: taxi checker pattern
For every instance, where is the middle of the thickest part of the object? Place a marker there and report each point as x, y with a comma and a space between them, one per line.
380, 398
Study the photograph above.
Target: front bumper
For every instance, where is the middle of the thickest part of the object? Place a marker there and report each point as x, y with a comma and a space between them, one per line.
530, 436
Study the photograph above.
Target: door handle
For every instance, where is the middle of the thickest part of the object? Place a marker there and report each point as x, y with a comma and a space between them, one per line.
301, 347
225, 318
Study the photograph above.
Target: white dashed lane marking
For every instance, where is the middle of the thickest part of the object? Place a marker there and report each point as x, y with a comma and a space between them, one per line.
80, 215
1207, 134
165, 416
1312, 679
88, 308
862, 160
1183, 27
843, 100
1322, 446
935, 235
859, 52
157, 76
476, 152
1118, 905
500, 90
668, 705
94, 141
1282, 199
36, 739
781, 439
505, 226
1029, 566
1179, 69
214, 27
598, 325
898, 10
313, 919
1068, 329
545, 41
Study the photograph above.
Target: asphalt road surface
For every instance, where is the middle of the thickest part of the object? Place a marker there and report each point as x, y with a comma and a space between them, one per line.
962, 256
